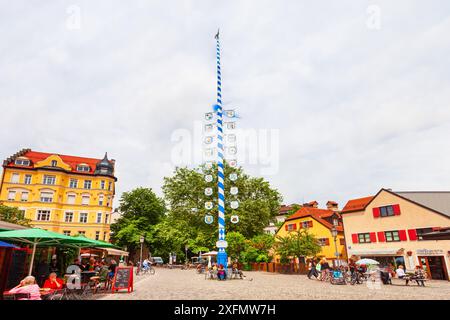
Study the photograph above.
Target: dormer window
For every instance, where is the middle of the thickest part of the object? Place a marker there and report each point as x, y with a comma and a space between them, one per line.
22, 162
54, 163
83, 168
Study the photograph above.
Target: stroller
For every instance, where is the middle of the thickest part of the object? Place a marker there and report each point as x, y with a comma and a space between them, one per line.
337, 277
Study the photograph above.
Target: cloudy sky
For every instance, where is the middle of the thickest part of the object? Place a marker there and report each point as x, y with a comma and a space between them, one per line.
356, 92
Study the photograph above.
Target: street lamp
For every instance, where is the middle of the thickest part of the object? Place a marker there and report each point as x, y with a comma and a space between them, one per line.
141, 240
334, 233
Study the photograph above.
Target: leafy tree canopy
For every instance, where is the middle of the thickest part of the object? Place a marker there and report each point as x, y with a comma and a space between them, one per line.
13, 215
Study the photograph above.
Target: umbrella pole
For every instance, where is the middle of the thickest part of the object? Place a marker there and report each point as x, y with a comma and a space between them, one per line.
32, 258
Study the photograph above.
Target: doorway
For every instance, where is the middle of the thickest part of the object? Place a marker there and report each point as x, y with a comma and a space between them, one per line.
434, 266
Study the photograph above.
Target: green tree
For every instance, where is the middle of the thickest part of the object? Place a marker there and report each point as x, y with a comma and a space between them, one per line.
297, 244
13, 215
141, 211
236, 244
185, 195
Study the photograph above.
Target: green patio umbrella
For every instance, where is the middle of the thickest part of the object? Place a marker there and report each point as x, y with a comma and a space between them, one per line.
89, 243
40, 237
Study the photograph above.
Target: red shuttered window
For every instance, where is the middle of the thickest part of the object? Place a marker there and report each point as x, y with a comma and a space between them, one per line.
412, 233
373, 237
376, 212
402, 235
396, 209
355, 238
381, 237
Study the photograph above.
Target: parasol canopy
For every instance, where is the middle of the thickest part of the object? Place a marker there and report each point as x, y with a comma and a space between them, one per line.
39, 237
367, 261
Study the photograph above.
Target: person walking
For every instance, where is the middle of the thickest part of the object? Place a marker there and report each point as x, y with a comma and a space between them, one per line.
312, 268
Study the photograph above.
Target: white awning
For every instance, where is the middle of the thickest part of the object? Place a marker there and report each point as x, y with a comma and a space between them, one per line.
115, 252
376, 252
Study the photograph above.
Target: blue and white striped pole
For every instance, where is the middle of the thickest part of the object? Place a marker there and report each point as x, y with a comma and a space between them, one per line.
222, 257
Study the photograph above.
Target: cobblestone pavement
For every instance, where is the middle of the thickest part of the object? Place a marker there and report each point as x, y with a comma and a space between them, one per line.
188, 285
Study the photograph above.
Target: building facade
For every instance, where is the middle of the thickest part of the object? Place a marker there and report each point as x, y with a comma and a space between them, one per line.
60, 193
279, 218
320, 223
390, 227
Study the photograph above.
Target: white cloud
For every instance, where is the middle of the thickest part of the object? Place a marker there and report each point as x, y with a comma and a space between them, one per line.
357, 109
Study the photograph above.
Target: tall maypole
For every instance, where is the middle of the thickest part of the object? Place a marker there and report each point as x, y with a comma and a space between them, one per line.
222, 257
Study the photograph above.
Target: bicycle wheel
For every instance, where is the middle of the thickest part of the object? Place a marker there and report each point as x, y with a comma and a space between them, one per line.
152, 271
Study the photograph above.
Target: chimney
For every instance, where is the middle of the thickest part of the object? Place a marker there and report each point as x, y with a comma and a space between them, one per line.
313, 204
332, 205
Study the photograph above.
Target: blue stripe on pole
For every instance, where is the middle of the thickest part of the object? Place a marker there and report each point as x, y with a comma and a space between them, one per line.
221, 209
221, 197
222, 221
220, 165
221, 185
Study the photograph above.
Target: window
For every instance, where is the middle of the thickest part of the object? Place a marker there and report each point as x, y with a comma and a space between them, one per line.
421, 231
83, 217
109, 186
27, 179
82, 233
66, 232
46, 197
71, 199
387, 211
22, 162
11, 196
106, 218
15, 178
306, 224
324, 242
24, 197
99, 217
85, 200
49, 180
97, 235
68, 217
54, 163
100, 200
364, 238
392, 236
87, 184
342, 241
83, 168
73, 183
291, 227
43, 215
102, 184
104, 236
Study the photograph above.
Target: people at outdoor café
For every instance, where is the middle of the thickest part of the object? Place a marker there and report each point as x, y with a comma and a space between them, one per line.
352, 266
53, 282
324, 268
28, 286
221, 275
76, 263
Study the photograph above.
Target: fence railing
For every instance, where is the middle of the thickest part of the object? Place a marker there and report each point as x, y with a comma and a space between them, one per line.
289, 268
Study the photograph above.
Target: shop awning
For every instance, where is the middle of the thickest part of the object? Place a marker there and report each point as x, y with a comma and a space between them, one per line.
376, 252
116, 252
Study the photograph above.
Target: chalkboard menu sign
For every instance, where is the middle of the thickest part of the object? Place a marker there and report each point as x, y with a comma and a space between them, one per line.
123, 279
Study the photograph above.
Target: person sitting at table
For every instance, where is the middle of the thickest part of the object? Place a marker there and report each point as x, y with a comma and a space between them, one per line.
76, 262
28, 286
91, 265
401, 274
53, 282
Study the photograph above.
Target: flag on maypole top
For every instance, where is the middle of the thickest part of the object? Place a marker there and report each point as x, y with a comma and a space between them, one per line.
217, 35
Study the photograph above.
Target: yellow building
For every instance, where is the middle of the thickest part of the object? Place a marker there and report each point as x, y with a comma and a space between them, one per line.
318, 222
65, 194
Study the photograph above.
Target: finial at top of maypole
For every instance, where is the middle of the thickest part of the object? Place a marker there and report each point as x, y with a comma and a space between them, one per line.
217, 35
